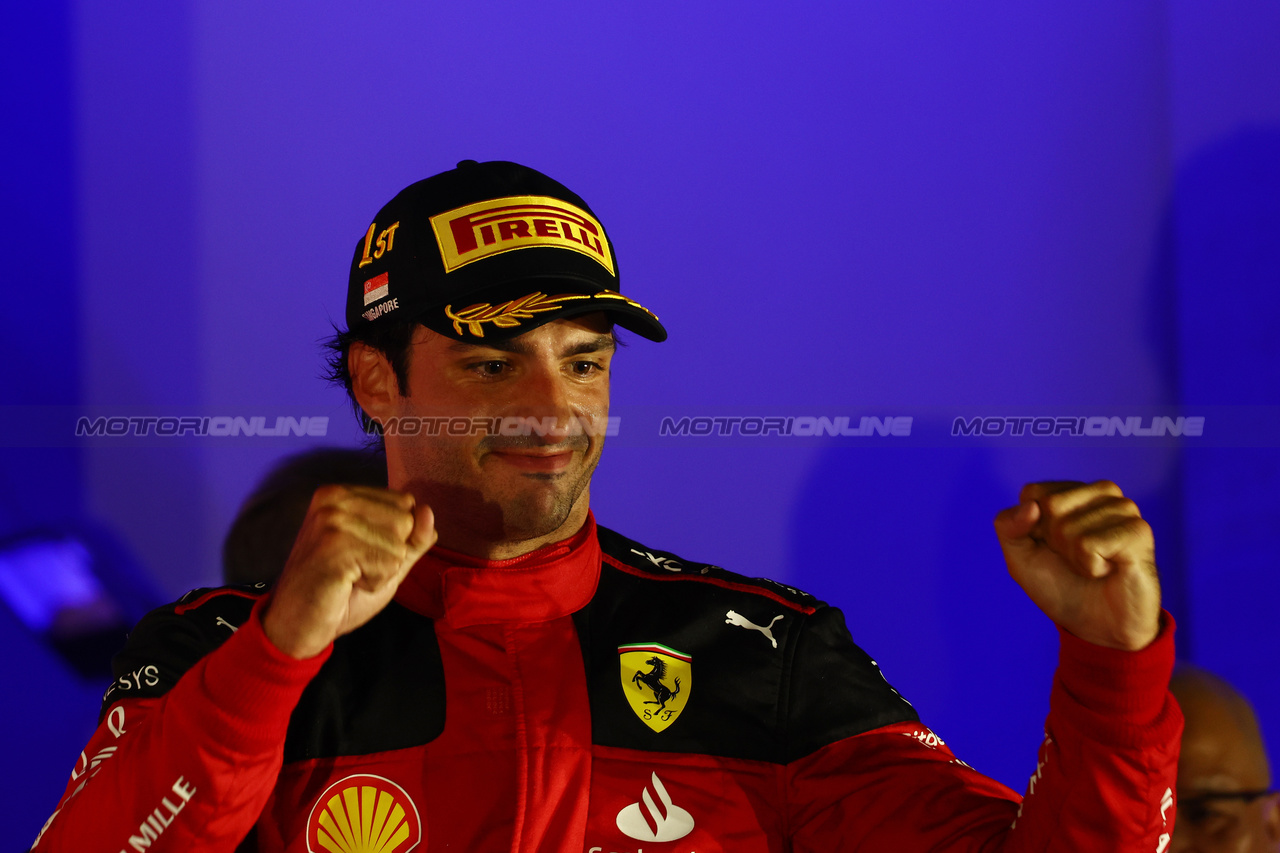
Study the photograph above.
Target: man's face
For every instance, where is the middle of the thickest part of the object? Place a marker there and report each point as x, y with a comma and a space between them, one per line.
516, 485
1217, 761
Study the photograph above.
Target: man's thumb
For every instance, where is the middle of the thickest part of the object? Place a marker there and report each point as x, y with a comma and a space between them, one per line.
424, 532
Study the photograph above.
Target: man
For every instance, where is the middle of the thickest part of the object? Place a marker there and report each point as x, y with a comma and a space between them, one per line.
466, 661
1225, 800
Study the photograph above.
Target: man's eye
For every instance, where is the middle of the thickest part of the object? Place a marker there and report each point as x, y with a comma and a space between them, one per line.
1217, 825
1208, 820
586, 368
490, 368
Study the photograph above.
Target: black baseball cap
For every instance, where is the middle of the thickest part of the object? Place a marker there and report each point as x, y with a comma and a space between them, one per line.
485, 252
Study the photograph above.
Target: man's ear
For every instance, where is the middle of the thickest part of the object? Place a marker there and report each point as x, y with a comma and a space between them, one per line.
373, 381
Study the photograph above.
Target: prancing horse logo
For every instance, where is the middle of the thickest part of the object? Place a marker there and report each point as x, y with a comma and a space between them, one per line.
734, 618
653, 680
656, 681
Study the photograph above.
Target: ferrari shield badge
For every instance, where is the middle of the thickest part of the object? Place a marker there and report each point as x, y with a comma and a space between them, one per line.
656, 680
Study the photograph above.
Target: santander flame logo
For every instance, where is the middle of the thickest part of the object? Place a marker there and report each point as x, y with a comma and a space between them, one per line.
364, 813
649, 821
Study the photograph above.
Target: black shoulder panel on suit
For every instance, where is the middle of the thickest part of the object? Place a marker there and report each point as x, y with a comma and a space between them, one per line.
169, 640
836, 689
769, 673
352, 707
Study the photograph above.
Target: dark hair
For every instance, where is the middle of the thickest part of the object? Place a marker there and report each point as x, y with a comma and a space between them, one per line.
390, 339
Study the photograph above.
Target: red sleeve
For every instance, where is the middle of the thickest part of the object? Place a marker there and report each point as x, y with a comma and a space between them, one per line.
1104, 777
189, 770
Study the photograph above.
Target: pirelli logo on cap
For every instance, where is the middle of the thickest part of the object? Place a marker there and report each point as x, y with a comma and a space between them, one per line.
487, 228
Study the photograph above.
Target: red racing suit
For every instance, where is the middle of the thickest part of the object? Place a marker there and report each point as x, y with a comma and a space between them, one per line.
594, 696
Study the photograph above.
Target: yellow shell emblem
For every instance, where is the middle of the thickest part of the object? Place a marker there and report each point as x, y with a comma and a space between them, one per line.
364, 814
656, 680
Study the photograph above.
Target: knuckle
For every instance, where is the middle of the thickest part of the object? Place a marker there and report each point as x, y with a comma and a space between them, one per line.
328, 494
397, 499
1054, 515
384, 565
403, 525
333, 538
1107, 487
1053, 504
391, 551
1139, 528
330, 519
369, 563
348, 570
1127, 506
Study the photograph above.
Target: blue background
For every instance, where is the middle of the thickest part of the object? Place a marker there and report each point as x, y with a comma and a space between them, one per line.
836, 208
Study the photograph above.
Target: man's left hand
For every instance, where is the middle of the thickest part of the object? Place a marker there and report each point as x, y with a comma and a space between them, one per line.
1087, 559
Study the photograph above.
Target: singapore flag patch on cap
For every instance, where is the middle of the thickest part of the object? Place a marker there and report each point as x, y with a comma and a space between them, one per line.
375, 288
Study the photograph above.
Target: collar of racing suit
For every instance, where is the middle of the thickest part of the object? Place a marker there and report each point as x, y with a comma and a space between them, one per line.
460, 590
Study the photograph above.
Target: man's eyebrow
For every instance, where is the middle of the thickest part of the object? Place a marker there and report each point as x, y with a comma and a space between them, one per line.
598, 343
465, 348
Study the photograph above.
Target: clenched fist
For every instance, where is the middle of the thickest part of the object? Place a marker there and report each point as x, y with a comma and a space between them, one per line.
356, 545
1087, 559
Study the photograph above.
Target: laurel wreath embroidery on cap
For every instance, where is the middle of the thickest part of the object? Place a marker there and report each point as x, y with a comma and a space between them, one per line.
509, 314
505, 315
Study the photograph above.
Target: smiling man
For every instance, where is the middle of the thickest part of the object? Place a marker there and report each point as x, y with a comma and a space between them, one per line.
538, 406
466, 661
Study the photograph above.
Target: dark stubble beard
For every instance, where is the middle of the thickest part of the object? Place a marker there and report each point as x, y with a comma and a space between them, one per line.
530, 516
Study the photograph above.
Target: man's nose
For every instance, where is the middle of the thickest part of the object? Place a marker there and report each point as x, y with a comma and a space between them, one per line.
544, 393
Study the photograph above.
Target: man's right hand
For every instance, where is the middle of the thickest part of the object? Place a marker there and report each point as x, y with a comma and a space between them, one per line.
356, 545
